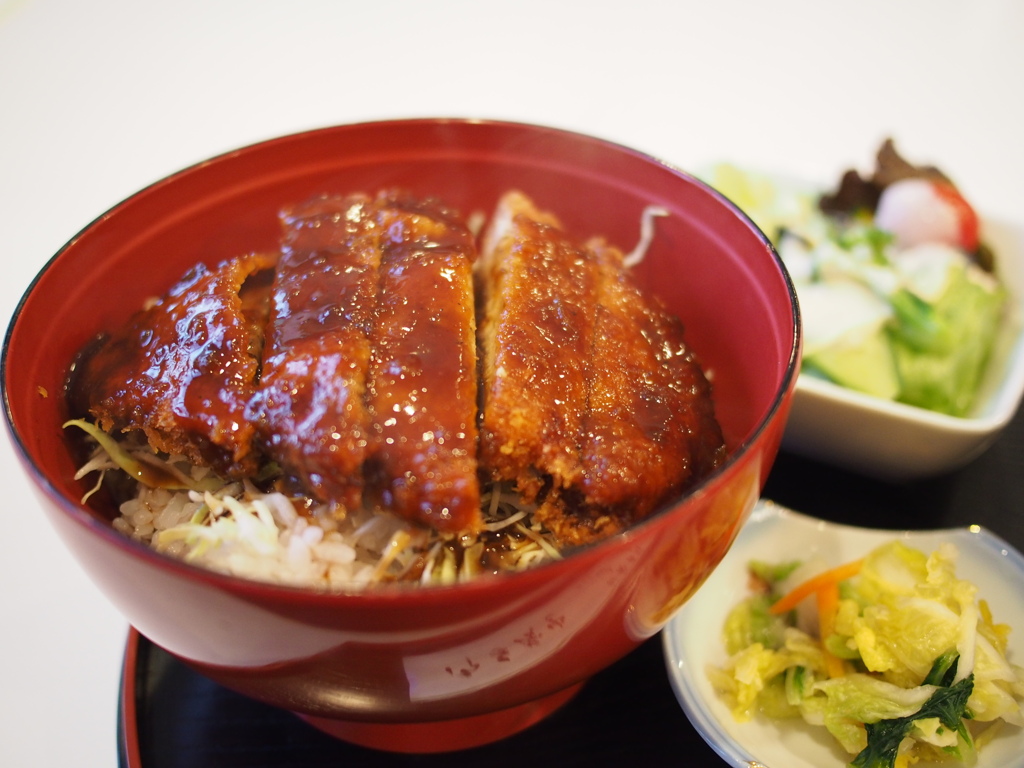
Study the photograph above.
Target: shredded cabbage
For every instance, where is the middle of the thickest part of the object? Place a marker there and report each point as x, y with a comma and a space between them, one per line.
191, 513
924, 672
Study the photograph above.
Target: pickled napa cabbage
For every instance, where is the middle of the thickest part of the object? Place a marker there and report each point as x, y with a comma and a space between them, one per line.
903, 663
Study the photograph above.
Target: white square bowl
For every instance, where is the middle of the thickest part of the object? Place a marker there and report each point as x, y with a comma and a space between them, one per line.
897, 442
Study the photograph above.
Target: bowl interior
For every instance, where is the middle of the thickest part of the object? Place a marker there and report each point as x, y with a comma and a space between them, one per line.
711, 266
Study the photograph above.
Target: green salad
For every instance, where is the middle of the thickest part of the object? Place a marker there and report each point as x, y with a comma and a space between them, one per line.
898, 295
894, 654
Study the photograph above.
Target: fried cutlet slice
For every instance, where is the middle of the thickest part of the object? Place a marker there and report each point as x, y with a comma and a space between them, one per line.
184, 368
309, 407
536, 329
594, 407
422, 379
650, 430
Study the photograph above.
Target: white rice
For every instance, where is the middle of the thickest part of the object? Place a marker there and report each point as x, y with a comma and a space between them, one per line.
234, 528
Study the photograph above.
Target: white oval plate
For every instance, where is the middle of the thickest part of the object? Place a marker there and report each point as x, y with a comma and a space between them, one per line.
692, 639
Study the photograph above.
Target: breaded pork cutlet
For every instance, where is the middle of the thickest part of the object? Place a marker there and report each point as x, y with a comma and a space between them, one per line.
650, 428
183, 369
368, 393
536, 331
593, 406
382, 366
422, 378
310, 407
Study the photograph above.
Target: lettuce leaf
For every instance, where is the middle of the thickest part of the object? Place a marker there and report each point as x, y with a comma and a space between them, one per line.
941, 362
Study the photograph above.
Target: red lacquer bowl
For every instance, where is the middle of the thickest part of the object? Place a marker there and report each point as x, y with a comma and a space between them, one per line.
436, 668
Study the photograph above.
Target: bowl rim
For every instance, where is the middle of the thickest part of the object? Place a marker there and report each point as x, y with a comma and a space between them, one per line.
967, 425
399, 591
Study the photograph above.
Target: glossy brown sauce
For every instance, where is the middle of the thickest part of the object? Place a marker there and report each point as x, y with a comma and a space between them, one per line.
592, 403
421, 383
353, 361
183, 370
309, 409
650, 428
538, 333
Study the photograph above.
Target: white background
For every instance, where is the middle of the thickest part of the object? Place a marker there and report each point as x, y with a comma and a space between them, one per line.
100, 98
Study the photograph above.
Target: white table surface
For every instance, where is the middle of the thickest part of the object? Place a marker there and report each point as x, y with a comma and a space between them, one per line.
100, 98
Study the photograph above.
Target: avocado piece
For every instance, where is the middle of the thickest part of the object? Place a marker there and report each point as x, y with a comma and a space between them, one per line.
864, 363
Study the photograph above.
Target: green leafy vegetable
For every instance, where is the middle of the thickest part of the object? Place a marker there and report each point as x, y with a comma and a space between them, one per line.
919, 326
772, 573
750, 622
941, 361
884, 737
943, 670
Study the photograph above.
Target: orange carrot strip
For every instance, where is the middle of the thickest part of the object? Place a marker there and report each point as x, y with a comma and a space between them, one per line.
828, 606
791, 599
